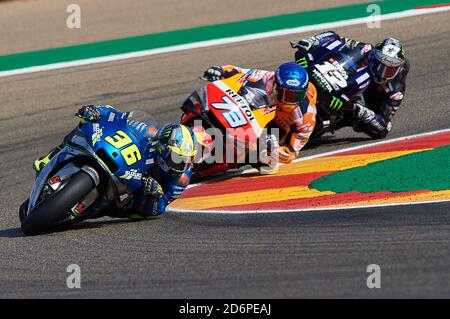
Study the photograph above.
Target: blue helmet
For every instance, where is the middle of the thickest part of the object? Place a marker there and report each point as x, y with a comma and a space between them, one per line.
291, 84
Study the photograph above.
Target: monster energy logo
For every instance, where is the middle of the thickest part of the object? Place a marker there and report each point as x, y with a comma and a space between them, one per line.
335, 104
320, 80
166, 132
303, 62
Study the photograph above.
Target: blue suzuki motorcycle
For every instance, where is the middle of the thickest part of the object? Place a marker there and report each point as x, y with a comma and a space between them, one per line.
98, 168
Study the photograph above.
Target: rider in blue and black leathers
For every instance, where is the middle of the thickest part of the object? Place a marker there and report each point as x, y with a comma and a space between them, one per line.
388, 66
171, 151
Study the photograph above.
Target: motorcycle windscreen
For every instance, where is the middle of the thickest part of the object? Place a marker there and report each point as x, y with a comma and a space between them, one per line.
144, 117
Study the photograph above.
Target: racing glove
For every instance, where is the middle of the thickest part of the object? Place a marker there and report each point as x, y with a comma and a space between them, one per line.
214, 73
89, 113
152, 189
286, 154
305, 44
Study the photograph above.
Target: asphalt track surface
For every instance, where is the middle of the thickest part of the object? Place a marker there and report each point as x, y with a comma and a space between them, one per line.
40, 24
291, 255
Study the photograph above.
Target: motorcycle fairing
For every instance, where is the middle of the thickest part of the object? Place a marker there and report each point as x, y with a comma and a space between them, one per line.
232, 110
338, 72
88, 141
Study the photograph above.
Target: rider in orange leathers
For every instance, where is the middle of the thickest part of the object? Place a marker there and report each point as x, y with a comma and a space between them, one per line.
288, 90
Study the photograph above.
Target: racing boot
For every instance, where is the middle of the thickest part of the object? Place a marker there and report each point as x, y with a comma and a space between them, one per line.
361, 113
365, 120
40, 163
269, 156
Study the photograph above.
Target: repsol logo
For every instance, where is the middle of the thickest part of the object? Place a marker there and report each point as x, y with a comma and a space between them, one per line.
242, 103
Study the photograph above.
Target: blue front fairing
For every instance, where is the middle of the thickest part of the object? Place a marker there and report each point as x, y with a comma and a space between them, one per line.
338, 70
118, 148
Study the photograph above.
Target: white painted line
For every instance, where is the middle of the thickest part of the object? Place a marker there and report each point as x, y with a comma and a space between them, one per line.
204, 44
372, 144
183, 211
327, 208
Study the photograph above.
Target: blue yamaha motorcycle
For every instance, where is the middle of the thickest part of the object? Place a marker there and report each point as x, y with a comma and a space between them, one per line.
99, 167
339, 73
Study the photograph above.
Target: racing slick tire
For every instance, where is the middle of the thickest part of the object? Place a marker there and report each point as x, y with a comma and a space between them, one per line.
51, 210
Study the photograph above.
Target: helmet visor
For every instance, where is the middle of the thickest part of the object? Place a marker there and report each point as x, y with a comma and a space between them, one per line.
287, 96
385, 67
178, 163
383, 72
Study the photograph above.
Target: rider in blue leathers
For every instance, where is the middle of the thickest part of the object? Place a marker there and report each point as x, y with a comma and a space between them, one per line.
171, 152
388, 66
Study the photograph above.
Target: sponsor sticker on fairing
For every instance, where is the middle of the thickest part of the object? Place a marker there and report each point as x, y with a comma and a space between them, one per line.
237, 100
111, 117
98, 133
55, 182
131, 174
79, 208
397, 96
321, 80
362, 78
323, 35
334, 45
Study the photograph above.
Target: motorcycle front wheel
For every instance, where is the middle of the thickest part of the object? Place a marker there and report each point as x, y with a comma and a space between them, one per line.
54, 208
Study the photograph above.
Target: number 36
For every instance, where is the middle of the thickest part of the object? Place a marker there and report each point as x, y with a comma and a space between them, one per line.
131, 153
